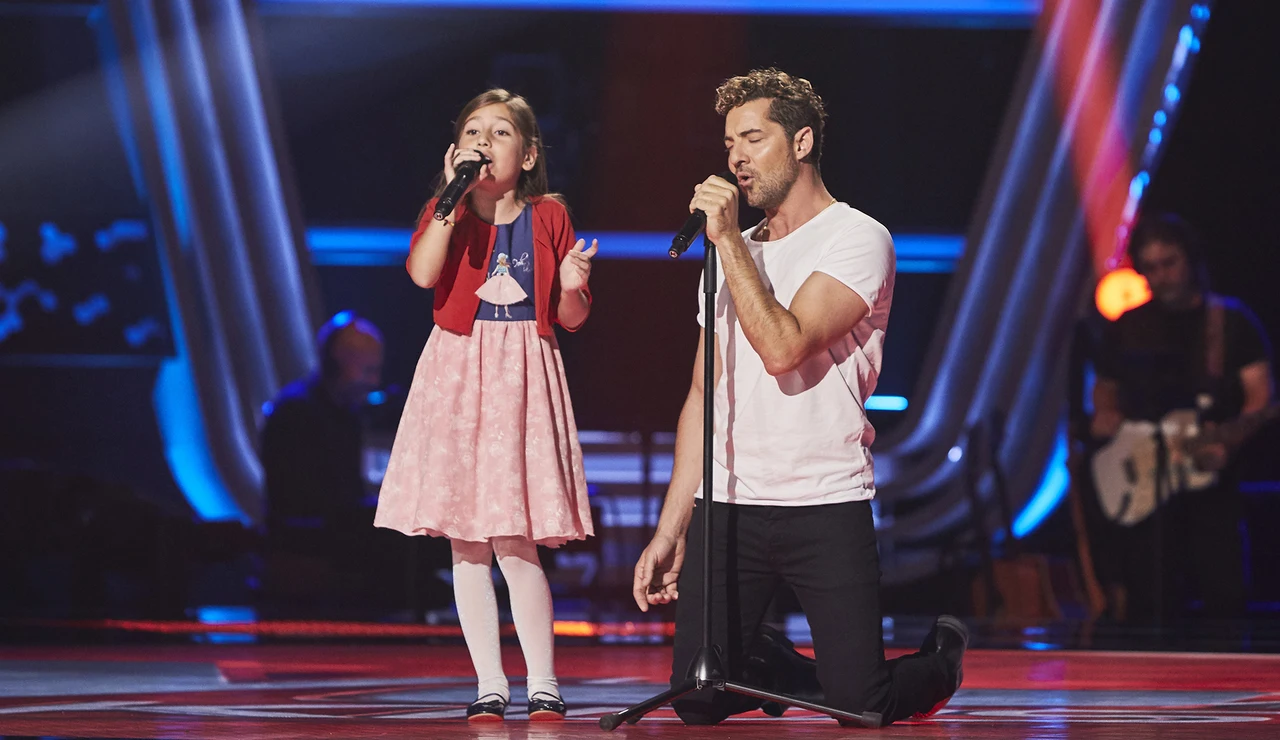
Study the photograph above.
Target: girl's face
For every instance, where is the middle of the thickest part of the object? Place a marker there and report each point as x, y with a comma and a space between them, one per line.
491, 131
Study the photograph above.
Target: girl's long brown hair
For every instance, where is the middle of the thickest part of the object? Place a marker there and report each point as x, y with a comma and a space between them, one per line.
533, 183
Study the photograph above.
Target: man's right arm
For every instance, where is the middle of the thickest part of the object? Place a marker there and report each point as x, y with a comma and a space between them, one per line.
1107, 416
658, 568
686, 472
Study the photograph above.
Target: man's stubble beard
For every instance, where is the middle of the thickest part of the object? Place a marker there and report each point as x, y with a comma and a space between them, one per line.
771, 192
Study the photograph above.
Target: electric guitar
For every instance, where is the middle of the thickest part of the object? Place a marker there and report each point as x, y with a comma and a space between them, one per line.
1124, 469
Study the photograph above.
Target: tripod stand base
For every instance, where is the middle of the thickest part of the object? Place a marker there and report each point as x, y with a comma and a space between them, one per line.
634, 714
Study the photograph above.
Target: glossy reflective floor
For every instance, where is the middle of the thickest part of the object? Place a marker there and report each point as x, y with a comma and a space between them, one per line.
326, 690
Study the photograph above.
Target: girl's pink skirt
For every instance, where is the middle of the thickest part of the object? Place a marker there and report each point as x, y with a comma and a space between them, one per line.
487, 445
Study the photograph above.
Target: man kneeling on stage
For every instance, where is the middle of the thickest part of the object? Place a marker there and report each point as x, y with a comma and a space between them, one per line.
800, 324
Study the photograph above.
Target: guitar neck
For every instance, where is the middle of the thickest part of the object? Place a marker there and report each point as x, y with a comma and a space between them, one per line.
1234, 433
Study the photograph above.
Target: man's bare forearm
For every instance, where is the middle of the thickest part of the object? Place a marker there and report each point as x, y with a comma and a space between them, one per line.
686, 473
772, 330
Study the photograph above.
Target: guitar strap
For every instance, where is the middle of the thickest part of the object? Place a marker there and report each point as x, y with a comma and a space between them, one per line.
1215, 339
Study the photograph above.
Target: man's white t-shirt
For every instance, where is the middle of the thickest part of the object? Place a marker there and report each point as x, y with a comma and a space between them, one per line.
802, 438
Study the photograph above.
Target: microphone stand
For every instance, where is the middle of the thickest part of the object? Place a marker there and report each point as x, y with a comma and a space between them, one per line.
1162, 484
1166, 488
707, 670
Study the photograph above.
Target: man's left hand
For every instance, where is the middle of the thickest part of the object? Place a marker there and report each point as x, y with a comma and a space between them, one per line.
1211, 458
718, 199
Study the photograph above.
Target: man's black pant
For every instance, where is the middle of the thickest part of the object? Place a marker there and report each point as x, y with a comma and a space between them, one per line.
1192, 548
828, 555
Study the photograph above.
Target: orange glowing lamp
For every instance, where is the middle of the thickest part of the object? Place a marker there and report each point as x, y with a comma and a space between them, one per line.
1119, 291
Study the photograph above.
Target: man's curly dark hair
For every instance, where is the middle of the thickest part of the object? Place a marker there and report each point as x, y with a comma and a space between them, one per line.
793, 103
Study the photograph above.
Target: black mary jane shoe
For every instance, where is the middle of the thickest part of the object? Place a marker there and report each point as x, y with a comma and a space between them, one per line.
488, 708
544, 707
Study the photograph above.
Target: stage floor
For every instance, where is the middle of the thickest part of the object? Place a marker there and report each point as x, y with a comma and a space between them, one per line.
292, 691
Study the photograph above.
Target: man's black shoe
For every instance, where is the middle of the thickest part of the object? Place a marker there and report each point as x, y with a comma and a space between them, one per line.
949, 638
777, 666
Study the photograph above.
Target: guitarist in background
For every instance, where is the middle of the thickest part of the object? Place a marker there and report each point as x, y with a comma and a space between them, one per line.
1186, 349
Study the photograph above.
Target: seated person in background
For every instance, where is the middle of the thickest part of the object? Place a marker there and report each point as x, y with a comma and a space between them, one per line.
313, 440
1186, 349
313, 458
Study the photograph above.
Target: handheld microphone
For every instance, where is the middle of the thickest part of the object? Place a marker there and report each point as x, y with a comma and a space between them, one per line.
694, 225
463, 175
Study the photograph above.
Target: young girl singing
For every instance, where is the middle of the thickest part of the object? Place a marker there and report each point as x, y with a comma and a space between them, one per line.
487, 451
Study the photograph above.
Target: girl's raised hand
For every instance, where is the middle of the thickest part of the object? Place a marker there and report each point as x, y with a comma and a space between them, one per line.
575, 269
454, 157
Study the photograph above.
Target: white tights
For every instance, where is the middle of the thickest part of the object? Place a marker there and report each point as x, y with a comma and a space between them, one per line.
530, 608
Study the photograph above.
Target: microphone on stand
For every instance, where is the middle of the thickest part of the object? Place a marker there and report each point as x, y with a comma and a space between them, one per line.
694, 225
463, 175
